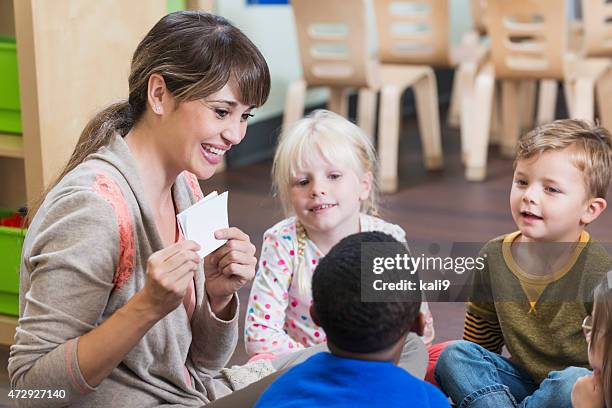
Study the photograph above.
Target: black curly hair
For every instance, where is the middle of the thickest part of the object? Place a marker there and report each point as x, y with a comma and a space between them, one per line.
349, 323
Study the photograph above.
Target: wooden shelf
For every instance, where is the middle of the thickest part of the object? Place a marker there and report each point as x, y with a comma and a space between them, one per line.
11, 146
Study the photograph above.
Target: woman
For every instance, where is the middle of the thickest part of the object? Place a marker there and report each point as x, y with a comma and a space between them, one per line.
114, 307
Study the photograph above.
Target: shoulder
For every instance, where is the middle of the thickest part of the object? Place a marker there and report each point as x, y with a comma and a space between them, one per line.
371, 223
87, 207
76, 227
282, 230
317, 367
280, 239
499, 240
596, 263
104, 181
93, 206
303, 375
597, 254
85, 191
494, 246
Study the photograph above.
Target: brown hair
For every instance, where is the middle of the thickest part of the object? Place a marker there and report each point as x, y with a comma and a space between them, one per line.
592, 144
602, 331
197, 54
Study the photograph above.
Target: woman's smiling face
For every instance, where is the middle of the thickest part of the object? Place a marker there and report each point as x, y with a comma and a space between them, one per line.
204, 130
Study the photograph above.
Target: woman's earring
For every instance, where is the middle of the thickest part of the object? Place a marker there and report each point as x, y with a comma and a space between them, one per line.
156, 108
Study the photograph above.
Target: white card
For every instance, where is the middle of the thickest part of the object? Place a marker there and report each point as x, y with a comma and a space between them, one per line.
182, 217
200, 221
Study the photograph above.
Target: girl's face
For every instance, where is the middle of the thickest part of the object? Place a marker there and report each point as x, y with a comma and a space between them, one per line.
326, 197
201, 131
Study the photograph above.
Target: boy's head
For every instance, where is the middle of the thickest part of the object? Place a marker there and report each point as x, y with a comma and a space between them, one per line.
561, 176
351, 325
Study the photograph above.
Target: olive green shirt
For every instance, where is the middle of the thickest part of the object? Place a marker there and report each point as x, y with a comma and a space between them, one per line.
539, 317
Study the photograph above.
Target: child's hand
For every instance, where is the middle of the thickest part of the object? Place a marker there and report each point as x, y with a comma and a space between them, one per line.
587, 393
230, 267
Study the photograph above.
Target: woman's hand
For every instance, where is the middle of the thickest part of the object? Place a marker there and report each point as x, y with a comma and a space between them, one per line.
228, 268
587, 393
169, 272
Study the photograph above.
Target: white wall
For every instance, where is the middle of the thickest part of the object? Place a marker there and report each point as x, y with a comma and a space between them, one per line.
272, 29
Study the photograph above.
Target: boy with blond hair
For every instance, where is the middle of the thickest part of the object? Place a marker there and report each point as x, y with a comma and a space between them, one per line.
536, 287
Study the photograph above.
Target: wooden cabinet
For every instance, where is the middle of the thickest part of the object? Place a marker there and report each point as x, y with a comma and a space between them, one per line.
74, 59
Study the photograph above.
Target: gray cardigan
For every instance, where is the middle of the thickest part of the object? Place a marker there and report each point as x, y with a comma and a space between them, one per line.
84, 257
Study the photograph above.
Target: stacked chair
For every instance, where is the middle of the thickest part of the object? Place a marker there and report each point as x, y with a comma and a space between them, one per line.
590, 44
528, 42
416, 32
527, 88
333, 38
596, 56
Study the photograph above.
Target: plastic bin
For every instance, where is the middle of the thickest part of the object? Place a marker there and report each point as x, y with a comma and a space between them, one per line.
10, 111
175, 5
11, 241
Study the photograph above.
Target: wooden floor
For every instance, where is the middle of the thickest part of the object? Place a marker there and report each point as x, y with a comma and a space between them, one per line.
431, 207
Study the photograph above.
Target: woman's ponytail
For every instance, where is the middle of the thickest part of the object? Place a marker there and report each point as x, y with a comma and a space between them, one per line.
116, 118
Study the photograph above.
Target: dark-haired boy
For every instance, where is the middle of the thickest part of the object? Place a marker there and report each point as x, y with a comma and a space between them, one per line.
365, 342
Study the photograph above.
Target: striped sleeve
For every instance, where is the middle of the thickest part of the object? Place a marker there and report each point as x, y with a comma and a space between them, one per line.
481, 322
485, 333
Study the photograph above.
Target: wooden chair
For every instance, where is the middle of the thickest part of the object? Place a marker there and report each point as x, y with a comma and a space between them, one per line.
597, 17
428, 44
206, 5
590, 50
412, 38
473, 42
332, 36
591, 42
527, 88
597, 51
525, 44
478, 9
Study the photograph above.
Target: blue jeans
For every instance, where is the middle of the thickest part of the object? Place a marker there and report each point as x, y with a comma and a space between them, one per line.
476, 378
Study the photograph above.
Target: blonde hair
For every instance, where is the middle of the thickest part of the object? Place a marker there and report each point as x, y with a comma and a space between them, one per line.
337, 140
592, 149
602, 332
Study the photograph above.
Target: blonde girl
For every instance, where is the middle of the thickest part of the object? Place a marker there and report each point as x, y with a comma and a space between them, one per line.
323, 173
595, 391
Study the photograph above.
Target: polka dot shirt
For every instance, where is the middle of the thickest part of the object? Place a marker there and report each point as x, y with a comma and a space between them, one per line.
278, 318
